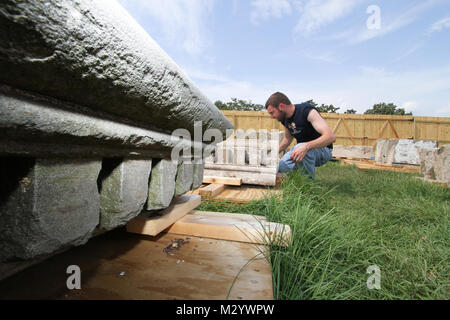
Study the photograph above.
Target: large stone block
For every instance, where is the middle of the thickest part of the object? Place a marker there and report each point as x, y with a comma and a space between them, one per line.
46, 127
435, 163
93, 53
123, 192
360, 152
406, 150
385, 150
47, 205
162, 185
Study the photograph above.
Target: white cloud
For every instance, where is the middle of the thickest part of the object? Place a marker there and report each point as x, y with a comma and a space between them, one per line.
445, 111
410, 106
182, 21
315, 14
266, 9
440, 25
424, 92
374, 72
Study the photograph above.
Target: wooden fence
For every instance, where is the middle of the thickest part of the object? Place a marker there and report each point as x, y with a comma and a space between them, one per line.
357, 129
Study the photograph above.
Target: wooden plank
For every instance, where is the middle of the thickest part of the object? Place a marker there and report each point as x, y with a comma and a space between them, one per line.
337, 125
348, 131
245, 194
152, 224
380, 133
279, 179
393, 129
223, 180
232, 228
436, 182
241, 216
373, 166
211, 190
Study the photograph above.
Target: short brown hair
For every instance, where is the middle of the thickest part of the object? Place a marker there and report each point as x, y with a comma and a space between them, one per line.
277, 98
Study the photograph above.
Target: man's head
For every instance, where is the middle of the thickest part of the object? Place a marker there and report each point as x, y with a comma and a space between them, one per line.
277, 105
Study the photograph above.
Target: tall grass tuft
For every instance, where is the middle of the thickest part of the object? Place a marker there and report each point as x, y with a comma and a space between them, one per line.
347, 220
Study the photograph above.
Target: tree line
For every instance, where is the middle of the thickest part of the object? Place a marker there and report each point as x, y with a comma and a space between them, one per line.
379, 108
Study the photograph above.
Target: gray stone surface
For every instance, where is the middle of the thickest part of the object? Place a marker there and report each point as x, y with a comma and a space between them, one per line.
435, 163
93, 53
406, 150
360, 152
124, 192
47, 206
385, 150
185, 176
403, 151
198, 175
35, 121
162, 185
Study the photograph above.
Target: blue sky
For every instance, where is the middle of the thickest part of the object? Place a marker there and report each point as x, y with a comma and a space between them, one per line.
332, 51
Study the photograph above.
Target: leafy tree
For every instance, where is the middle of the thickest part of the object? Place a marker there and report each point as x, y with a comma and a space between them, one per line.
312, 102
350, 111
386, 108
323, 108
241, 105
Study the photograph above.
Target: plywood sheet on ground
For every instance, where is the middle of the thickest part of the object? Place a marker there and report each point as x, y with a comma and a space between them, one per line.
121, 265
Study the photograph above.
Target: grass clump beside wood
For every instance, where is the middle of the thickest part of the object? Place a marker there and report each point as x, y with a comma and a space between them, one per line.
347, 220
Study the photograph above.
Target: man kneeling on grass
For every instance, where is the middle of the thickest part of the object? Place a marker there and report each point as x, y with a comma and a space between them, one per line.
304, 123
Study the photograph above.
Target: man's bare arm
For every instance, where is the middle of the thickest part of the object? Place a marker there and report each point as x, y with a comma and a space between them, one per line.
322, 127
327, 136
287, 139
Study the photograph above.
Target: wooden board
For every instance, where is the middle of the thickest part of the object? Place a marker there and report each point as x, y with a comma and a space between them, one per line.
223, 180
241, 216
371, 165
279, 179
152, 224
125, 266
243, 194
232, 228
211, 190
438, 183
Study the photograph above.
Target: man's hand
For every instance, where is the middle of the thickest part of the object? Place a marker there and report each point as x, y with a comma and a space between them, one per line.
299, 153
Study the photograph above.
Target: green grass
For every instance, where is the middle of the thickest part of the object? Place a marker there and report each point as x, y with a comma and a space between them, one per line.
347, 220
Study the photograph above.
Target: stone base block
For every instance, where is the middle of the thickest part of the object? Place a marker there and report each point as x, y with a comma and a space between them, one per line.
124, 192
162, 185
48, 204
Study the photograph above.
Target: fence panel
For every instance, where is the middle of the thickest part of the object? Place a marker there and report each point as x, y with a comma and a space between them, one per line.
357, 129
